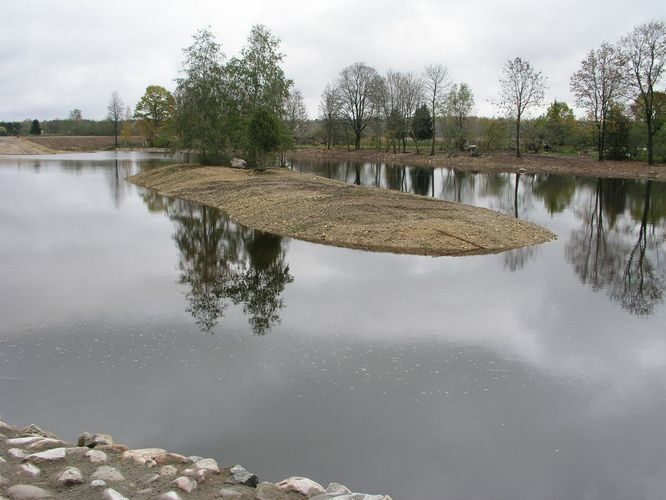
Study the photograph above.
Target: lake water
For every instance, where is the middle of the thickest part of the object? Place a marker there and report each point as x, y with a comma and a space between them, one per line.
533, 374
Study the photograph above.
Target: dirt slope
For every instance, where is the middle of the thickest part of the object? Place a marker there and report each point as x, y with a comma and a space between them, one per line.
22, 146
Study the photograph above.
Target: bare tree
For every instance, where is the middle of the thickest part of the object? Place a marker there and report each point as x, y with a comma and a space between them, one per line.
459, 105
597, 85
115, 109
410, 95
521, 89
388, 98
399, 95
357, 88
645, 52
295, 114
329, 112
435, 82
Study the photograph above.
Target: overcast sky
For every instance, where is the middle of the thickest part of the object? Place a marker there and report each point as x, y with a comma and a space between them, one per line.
57, 55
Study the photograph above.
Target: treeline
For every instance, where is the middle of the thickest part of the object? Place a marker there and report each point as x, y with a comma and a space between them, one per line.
58, 127
617, 85
246, 106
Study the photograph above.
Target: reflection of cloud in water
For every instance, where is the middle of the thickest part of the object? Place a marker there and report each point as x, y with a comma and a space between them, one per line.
537, 317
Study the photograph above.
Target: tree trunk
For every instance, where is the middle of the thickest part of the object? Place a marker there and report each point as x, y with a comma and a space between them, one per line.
602, 140
518, 137
434, 129
650, 143
515, 197
357, 141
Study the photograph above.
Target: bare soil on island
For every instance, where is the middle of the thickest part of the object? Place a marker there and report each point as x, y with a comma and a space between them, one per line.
51, 144
321, 210
22, 146
81, 143
497, 162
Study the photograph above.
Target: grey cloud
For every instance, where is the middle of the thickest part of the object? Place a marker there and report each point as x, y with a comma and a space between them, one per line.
57, 55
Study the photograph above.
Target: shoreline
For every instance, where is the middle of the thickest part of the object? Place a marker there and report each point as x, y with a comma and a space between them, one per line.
319, 210
54, 145
38, 464
498, 162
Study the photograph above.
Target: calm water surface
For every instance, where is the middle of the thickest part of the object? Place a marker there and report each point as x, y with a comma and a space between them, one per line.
533, 374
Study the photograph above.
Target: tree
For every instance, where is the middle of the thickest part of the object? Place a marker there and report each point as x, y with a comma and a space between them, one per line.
263, 136
645, 52
256, 80
357, 88
459, 104
35, 128
295, 116
115, 111
435, 81
560, 123
422, 123
410, 95
155, 108
329, 113
387, 94
617, 133
522, 88
597, 85
75, 114
202, 101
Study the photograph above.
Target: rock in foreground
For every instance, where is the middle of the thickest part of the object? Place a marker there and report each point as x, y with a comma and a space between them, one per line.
76, 472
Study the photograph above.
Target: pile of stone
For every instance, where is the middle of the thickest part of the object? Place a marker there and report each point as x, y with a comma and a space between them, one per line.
35, 464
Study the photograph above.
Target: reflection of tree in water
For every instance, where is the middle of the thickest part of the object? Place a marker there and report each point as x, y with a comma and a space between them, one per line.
516, 259
223, 262
556, 191
422, 180
621, 252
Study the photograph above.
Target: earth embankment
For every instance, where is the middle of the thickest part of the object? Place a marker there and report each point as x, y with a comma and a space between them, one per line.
325, 211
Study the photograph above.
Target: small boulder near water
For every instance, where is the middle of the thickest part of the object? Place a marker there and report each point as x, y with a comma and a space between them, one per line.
29, 470
27, 492
111, 494
92, 440
96, 456
187, 484
107, 473
241, 476
238, 163
209, 464
52, 455
301, 485
70, 476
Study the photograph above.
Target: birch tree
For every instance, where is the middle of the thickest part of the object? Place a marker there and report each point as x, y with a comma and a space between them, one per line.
459, 105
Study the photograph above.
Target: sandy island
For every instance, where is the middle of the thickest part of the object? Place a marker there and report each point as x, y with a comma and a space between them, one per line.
325, 211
